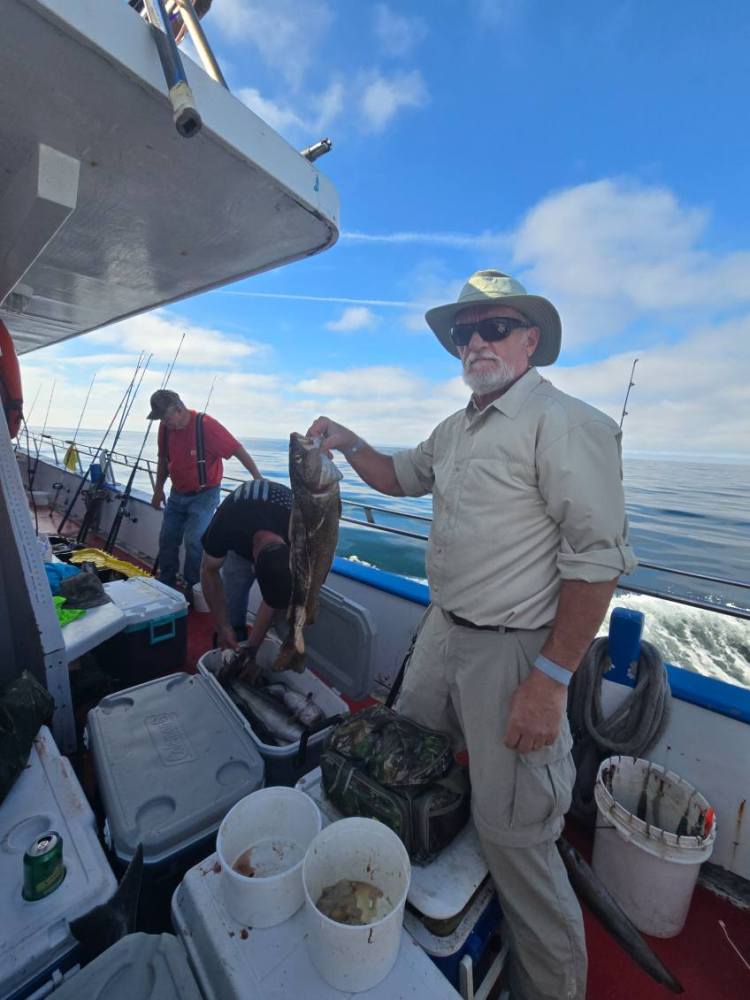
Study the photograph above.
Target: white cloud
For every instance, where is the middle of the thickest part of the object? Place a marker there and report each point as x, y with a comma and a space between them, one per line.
354, 318
374, 382
397, 34
287, 33
486, 241
688, 396
611, 252
392, 303
159, 333
383, 97
322, 110
281, 119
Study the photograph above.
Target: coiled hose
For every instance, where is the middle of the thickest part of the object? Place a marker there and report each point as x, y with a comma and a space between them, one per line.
632, 729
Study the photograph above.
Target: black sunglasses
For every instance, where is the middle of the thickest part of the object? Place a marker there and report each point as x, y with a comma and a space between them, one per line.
490, 330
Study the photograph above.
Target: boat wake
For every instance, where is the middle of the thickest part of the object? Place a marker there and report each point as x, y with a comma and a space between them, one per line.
705, 642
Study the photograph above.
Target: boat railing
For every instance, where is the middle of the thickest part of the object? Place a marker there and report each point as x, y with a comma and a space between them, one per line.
374, 517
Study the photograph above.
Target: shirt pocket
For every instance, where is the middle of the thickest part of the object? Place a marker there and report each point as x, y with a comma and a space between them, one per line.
543, 784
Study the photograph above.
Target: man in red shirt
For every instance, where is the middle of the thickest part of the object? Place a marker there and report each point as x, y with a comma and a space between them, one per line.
191, 447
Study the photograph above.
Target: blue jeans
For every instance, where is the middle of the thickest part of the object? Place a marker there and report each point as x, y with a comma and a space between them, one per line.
237, 576
185, 520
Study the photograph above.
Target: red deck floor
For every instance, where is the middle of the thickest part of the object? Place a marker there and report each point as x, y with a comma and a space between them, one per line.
700, 957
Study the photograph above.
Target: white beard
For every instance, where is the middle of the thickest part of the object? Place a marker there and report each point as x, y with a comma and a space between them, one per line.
489, 380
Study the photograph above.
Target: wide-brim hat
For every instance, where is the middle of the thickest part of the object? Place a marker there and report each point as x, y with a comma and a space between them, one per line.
495, 288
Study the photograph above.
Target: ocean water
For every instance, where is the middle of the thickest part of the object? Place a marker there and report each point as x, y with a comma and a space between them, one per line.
684, 516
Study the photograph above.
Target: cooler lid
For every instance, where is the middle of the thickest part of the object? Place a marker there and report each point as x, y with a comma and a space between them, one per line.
172, 757
141, 599
340, 646
146, 966
46, 796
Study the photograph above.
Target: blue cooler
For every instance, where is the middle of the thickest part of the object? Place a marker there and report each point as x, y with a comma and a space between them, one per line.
154, 640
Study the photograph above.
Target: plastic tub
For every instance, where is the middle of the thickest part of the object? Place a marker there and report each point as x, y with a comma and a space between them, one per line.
271, 829
356, 958
283, 764
654, 832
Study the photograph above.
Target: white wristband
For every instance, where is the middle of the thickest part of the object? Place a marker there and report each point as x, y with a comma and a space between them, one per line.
553, 670
358, 444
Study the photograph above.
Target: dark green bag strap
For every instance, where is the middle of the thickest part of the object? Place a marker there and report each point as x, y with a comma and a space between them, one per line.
396, 686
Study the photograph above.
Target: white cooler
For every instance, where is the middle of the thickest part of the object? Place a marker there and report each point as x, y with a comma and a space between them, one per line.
341, 659
230, 960
36, 946
171, 760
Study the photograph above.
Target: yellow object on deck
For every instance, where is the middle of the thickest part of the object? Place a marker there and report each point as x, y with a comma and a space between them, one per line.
70, 460
103, 560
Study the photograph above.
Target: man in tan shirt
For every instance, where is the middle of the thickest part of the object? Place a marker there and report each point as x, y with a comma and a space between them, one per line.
528, 540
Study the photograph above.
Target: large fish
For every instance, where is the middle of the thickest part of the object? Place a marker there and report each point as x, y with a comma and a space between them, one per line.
612, 917
275, 719
313, 534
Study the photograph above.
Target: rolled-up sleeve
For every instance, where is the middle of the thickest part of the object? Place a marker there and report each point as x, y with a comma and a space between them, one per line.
580, 479
414, 468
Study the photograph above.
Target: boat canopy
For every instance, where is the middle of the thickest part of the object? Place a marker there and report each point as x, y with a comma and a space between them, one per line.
105, 210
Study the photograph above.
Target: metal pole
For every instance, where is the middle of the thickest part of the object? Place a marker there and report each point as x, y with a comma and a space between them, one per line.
627, 394
200, 41
186, 118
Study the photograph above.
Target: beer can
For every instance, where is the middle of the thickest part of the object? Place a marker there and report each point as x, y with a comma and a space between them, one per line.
43, 868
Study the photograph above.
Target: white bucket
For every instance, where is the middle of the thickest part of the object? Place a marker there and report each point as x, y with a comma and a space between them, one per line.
275, 826
199, 601
356, 958
648, 868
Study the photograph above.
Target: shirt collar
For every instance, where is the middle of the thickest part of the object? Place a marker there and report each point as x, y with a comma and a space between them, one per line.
511, 401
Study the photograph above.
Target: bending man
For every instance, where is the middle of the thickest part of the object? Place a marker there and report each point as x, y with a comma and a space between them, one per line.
248, 538
191, 448
528, 540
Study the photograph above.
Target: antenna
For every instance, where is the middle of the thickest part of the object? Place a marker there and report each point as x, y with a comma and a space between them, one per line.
631, 383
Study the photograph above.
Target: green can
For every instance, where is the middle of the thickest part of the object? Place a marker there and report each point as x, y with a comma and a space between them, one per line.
43, 868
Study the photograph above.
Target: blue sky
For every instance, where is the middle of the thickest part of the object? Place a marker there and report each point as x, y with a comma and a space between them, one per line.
599, 152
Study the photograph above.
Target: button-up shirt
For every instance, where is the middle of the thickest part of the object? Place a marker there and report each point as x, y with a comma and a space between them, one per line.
526, 492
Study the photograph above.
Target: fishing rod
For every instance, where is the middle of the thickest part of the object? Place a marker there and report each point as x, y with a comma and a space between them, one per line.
71, 453
132, 393
38, 441
99, 493
210, 394
627, 394
87, 473
122, 508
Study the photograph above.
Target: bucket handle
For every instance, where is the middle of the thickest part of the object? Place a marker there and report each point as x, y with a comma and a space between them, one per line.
154, 635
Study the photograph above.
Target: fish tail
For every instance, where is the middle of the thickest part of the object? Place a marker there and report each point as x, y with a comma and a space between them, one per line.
612, 917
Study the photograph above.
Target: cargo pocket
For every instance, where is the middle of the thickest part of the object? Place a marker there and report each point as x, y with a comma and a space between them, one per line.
543, 785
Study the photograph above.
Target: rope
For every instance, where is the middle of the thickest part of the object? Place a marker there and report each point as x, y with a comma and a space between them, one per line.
632, 729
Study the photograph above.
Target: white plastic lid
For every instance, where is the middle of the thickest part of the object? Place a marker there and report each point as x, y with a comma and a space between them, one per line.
141, 599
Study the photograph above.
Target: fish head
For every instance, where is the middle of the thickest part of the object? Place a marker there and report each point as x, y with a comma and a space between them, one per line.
310, 468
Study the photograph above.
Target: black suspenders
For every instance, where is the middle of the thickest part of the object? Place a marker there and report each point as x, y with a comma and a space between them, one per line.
200, 451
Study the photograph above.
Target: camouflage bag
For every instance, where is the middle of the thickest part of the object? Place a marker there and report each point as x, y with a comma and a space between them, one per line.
381, 765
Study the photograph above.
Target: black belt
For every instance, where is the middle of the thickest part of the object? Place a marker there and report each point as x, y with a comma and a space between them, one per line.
194, 493
465, 623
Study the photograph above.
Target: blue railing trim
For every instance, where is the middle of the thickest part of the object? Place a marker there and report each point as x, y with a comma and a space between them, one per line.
380, 579
706, 692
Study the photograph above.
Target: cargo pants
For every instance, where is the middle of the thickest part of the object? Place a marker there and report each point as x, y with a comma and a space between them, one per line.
460, 681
